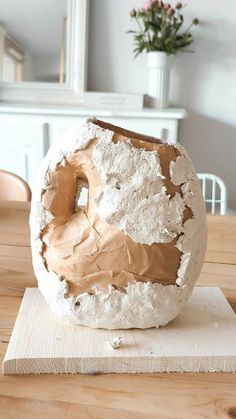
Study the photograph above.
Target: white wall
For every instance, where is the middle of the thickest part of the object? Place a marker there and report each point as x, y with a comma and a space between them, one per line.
204, 82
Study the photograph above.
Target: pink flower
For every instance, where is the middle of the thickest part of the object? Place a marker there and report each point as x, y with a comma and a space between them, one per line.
133, 13
178, 5
170, 11
147, 6
167, 6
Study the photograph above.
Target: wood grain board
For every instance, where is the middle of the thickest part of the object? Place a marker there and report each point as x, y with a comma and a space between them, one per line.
221, 243
14, 223
201, 338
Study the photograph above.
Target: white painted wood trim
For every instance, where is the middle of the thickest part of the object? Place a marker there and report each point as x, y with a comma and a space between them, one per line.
72, 91
171, 132
146, 113
46, 138
208, 182
2, 38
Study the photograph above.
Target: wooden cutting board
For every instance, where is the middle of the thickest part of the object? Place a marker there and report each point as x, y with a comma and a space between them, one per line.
202, 338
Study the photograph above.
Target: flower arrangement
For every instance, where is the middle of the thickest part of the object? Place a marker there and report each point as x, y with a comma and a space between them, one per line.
159, 26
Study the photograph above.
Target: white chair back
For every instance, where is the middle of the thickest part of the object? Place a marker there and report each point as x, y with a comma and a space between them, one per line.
214, 192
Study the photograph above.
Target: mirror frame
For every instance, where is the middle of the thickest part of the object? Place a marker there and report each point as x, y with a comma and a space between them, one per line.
72, 91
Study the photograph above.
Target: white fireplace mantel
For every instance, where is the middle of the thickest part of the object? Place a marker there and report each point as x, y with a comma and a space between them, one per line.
26, 131
177, 113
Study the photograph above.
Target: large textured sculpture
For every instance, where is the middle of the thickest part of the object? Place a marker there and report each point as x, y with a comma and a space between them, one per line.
132, 256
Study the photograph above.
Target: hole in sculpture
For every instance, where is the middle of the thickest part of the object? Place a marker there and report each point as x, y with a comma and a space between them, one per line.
82, 194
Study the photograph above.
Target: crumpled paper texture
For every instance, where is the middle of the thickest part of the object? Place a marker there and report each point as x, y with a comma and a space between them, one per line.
89, 253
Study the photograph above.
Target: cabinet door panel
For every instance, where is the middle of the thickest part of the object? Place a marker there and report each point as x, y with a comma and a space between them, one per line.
22, 147
15, 158
165, 129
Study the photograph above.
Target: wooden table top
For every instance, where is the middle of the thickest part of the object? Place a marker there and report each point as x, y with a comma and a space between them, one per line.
175, 395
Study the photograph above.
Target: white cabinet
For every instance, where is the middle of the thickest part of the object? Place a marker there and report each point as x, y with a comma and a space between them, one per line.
23, 144
27, 131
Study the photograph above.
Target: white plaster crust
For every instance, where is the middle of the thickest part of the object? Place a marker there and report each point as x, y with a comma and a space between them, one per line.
134, 196
181, 170
143, 305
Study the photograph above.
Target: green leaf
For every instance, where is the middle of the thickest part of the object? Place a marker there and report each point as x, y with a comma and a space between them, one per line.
157, 31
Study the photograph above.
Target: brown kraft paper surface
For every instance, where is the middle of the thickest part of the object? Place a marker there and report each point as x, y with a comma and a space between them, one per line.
85, 250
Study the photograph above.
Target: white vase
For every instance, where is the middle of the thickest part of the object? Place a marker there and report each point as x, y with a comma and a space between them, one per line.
159, 67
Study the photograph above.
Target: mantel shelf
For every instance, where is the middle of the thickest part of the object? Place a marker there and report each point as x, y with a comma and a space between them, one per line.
146, 113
